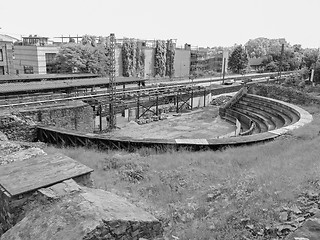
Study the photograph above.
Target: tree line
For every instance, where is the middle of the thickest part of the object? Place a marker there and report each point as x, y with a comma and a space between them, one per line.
92, 55
89, 56
294, 57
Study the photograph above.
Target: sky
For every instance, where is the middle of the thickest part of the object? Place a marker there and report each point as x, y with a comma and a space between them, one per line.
205, 23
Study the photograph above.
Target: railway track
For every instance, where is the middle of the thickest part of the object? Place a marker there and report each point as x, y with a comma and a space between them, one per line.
39, 99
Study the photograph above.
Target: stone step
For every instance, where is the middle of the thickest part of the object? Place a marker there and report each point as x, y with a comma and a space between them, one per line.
265, 124
260, 124
281, 119
243, 119
274, 105
272, 120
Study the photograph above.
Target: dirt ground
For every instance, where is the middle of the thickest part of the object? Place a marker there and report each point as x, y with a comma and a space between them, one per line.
200, 123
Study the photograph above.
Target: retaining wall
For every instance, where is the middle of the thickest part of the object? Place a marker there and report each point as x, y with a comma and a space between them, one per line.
20, 125
66, 137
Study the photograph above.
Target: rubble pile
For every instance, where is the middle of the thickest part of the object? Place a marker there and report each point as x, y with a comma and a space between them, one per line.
218, 101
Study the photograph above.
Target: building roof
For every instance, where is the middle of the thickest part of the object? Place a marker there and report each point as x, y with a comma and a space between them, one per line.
65, 84
7, 38
29, 175
35, 37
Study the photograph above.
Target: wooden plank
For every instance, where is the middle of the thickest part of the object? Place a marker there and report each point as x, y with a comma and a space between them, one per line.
81, 141
24, 176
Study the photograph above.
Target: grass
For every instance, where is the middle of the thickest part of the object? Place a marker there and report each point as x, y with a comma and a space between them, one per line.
213, 195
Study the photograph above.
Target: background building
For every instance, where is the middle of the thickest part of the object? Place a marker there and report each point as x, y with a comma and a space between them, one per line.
34, 55
34, 59
6, 58
181, 60
206, 61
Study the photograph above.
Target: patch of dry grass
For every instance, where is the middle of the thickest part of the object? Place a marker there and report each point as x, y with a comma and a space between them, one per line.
206, 195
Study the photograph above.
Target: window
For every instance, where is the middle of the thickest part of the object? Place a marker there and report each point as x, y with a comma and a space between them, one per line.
1, 55
50, 57
50, 63
1, 70
28, 69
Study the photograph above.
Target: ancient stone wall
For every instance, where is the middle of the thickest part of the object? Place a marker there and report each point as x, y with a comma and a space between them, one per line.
14, 209
20, 125
4, 210
18, 129
74, 116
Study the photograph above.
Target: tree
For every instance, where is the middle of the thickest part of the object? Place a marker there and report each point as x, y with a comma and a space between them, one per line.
310, 57
257, 48
270, 50
272, 67
295, 61
81, 58
238, 60
89, 40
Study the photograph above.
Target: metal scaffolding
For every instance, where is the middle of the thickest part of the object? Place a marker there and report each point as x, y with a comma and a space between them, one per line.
112, 78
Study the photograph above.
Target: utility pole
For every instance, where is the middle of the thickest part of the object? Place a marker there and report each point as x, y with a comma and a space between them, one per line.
281, 56
223, 69
112, 85
314, 68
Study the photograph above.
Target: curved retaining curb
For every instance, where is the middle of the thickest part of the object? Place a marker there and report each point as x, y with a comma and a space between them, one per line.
61, 136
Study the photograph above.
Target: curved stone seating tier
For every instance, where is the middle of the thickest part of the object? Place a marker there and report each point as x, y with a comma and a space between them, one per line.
268, 119
261, 122
278, 119
268, 114
262, 118
281, 119
245, 121
289, 114
250, 130
230, 118
259, 125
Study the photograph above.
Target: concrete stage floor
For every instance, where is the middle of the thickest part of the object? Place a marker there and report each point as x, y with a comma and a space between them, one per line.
200, 123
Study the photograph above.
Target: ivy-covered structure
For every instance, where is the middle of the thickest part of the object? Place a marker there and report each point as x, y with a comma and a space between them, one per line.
159, 59
132, 59
170, 58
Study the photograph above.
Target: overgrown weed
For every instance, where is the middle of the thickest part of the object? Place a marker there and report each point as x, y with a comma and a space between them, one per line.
213, 195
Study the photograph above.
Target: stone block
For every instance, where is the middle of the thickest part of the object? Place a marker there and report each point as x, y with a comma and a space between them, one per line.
86, 214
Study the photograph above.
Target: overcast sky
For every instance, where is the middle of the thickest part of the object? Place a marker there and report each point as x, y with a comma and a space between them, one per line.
199, 22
